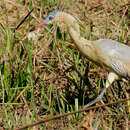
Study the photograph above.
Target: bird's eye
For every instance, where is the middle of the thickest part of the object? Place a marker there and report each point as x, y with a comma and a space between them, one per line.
50, 17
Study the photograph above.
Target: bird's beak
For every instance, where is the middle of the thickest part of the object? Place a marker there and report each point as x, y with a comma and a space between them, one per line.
43, 22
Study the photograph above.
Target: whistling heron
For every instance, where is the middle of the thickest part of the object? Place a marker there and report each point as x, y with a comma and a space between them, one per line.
114, 56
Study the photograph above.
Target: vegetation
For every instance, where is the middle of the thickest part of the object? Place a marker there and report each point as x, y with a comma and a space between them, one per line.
50, 76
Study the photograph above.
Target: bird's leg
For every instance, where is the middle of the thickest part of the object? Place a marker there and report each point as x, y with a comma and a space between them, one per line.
97, 99
111, 77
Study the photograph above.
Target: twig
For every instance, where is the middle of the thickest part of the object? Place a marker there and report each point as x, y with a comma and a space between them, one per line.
23, 20
70, 113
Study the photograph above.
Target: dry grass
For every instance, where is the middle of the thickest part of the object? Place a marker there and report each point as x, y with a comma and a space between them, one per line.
43, 75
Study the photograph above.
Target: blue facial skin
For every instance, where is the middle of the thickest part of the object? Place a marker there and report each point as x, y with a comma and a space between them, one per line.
51, 15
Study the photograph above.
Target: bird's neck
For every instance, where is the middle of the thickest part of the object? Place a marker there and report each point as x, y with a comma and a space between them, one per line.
85, 46
71, 23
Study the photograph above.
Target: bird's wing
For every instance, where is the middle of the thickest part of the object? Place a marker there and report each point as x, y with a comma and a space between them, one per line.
117, 55
114, 48
121, 66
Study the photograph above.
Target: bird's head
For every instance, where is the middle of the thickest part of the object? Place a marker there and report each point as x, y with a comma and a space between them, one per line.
59, 16
52, 17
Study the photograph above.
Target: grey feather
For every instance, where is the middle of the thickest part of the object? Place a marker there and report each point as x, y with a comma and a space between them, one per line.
119, 68
118, 55
51, 15
114, 49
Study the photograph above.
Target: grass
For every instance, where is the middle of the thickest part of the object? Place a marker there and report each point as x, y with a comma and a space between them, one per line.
49, 77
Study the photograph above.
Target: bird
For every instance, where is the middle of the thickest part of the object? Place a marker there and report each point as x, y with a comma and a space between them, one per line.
110, 54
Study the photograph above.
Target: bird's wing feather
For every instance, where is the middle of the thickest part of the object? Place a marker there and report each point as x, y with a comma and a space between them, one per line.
114, 48
120, 66
117, 54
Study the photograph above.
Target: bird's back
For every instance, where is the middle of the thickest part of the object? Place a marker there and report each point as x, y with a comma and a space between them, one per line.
117, 56
114, 48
